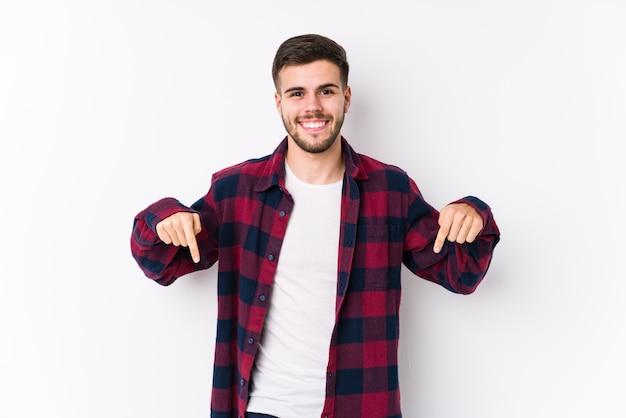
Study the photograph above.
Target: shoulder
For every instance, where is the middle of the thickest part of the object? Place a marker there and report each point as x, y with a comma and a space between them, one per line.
268, 166
254, 167
372, 165
363, 166
381, 175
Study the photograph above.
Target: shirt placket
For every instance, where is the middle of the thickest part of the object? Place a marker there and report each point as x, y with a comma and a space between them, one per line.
349, 216
267, 271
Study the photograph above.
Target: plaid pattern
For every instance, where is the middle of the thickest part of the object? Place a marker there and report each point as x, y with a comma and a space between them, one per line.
385, 223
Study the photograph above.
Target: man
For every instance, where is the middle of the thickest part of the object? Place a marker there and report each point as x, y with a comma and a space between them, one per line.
309, 242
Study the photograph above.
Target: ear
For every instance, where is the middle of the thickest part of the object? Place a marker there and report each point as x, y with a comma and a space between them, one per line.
347, 95
278, 99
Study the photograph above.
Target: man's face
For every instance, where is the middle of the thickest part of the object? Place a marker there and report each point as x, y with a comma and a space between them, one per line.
312, 103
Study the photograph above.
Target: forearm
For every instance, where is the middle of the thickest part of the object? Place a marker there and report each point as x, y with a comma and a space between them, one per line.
458, 267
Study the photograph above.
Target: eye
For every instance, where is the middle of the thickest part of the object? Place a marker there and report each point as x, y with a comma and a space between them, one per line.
296, 94
326, 92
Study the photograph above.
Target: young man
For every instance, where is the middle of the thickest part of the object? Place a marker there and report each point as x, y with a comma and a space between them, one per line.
309, 242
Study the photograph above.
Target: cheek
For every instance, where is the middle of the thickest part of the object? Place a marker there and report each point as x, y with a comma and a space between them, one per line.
287, 111
283, 110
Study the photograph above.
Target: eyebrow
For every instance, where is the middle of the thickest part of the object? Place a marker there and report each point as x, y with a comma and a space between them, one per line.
322, 87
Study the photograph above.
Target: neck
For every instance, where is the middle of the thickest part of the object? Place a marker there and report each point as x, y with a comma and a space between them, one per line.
322, 168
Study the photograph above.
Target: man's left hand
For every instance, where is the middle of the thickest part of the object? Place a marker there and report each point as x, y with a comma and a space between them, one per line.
458, 222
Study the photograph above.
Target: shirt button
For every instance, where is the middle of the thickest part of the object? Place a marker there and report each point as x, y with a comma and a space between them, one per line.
242, 382
282, 213
250, 340
262, 298
270, 257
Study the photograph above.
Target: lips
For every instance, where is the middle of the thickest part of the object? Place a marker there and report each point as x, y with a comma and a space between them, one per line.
312, 125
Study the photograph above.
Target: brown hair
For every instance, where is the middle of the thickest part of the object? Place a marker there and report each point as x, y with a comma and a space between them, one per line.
304, 49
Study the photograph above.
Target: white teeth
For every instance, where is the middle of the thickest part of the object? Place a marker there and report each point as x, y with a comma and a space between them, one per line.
313, 125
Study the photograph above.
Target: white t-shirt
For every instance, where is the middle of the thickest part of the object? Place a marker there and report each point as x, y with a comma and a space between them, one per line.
289, 376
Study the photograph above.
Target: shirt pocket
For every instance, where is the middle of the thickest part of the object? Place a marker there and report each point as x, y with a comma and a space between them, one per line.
377, 257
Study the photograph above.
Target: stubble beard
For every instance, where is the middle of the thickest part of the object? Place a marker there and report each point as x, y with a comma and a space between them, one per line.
317, 146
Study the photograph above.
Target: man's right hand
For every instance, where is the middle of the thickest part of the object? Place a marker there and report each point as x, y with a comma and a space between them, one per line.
180, 229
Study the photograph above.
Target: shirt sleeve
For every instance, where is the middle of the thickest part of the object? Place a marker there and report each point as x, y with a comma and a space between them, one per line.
459, 268
164, 263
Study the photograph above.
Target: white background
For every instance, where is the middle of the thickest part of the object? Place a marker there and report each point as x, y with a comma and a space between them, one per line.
108, 106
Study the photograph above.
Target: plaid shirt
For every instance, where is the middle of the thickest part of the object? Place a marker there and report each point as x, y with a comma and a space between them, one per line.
385, 223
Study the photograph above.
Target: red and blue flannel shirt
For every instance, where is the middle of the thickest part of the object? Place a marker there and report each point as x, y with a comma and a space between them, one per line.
385, 223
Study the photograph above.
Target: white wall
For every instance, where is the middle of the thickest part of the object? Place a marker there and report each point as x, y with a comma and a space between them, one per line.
107, 106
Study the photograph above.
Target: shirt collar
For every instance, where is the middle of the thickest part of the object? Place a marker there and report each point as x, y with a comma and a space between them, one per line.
274, 174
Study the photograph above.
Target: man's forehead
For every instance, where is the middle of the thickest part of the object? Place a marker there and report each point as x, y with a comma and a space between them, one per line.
312, 75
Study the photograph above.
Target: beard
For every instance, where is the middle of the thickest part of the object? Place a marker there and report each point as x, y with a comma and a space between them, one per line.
318, 144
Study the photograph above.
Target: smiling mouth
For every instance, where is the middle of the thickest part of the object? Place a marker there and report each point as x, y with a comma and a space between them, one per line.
313, 124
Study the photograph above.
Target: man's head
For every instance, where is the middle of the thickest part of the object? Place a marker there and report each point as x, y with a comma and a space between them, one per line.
311, 75
304, 49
